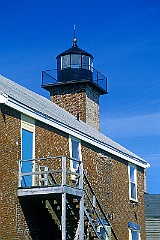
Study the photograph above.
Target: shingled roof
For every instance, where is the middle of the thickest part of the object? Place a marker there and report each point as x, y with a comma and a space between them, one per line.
46, 111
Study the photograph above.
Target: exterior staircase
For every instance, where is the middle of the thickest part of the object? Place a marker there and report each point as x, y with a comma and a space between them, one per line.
62, 207
96, 223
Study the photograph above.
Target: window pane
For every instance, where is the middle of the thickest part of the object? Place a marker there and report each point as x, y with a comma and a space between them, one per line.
75, 151
91, 65
85, 62
59, 64
65, 61
133, 190
27, 153
75, 60
132, 178
135, 235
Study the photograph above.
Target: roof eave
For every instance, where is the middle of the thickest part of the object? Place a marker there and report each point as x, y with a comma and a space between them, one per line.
71, 131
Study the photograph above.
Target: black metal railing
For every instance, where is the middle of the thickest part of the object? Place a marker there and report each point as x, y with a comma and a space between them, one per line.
54, 76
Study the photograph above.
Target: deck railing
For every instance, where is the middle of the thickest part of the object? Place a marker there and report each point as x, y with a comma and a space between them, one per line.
51, 171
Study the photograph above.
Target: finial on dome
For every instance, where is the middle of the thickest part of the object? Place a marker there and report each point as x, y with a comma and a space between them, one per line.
74, 39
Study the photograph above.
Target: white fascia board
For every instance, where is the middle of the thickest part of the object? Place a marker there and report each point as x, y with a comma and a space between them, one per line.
56, 124
3, 97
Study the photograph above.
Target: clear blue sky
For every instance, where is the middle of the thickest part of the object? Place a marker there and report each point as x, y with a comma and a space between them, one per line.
124, 38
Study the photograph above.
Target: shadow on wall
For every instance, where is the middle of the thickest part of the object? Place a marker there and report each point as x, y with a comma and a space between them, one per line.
40, 224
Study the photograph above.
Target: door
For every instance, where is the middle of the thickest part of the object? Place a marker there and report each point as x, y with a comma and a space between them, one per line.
27, 153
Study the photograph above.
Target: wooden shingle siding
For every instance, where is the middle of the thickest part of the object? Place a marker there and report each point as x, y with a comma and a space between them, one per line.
152, 229
152, 212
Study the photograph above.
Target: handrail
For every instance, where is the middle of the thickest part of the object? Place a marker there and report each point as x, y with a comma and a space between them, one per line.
51, 157
51, 177
47, 167
99, 205
95, 210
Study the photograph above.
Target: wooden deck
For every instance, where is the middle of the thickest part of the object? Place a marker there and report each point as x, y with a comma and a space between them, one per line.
48, 190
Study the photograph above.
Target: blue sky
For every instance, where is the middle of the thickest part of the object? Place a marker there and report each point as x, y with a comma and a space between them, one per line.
124, 38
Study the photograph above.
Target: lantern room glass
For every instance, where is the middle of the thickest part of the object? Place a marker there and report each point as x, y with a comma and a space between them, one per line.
85, 62
75, 60
65, 61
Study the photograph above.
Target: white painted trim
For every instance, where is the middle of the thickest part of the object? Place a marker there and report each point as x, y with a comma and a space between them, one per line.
83, 137
136, 183
27, 123
3, 97
70, 150
130, 234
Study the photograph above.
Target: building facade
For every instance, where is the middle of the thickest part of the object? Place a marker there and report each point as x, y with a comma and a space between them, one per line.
152, 213
61, 178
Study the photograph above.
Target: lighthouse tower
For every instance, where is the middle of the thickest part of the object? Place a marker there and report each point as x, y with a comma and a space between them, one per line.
77, 86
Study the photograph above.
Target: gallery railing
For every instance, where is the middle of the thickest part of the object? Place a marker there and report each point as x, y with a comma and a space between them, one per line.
49, 77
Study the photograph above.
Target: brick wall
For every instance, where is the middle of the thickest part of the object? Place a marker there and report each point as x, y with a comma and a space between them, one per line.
108, 175
79, 99
11, 151
109, 178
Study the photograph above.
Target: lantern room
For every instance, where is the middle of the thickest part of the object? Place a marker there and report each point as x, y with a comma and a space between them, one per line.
74, 64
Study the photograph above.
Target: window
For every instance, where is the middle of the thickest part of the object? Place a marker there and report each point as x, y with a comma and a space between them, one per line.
27, 148
134, 235
65, 61
75, 152
59, 64
134, 231
85, 62
132, 183
91, 64
75, 61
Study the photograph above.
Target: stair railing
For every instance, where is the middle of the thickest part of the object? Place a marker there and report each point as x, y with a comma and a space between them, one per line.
95, 203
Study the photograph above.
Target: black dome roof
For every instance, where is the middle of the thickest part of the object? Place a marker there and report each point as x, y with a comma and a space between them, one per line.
75, 50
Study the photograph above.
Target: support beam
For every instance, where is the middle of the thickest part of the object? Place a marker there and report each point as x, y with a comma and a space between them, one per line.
81, 220
81, 215
63, 218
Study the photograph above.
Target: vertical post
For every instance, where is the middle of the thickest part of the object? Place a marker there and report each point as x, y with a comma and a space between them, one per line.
63, 171
81, 220
81, 175
94, 201
63, 218
19, 174
81, 215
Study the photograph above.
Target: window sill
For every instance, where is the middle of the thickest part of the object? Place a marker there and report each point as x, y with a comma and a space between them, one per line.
134, 201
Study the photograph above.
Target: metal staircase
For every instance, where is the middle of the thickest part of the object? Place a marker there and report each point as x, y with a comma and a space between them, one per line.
68, 198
